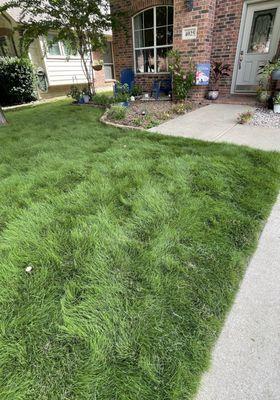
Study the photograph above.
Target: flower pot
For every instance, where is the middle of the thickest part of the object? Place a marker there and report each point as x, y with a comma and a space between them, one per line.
123, 104
276, 108
275, 76
97, 67
213, 94
86, 98
263, 96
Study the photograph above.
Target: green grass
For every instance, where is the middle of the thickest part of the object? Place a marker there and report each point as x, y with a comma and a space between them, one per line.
138, 243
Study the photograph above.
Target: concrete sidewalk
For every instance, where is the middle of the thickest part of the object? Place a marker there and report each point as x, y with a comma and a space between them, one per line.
217, 122
246, 359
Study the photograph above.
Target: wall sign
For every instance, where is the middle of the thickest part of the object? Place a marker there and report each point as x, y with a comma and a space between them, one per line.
202, 74
189, 33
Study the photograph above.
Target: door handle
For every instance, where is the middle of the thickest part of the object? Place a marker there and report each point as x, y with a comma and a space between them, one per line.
241, 58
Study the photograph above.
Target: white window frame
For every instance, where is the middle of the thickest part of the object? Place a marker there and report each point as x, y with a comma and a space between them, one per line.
110, 64
62, 55
154, 47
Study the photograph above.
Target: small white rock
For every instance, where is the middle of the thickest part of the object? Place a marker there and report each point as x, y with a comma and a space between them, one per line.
28, 269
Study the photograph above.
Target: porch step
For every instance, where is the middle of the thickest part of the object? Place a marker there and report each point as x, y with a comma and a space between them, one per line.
246, 100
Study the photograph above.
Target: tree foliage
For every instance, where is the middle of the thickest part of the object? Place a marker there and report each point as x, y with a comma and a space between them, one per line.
80, 23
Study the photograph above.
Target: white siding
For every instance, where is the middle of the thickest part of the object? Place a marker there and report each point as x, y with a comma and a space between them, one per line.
61, 71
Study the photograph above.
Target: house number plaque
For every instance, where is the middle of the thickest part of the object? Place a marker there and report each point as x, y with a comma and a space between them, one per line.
189, 33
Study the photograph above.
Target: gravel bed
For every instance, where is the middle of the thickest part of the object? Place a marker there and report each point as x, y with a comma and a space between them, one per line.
266, 118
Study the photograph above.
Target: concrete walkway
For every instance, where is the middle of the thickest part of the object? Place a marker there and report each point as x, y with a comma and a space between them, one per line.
246, 359
217, 122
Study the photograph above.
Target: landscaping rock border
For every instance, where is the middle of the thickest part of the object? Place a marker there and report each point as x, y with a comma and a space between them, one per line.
105, 121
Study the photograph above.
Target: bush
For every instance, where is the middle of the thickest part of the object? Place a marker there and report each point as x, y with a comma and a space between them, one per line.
117, 113
182, 78
75, 93
17, 81
102, 100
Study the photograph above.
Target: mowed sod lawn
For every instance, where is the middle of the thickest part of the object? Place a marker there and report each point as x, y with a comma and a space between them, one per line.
137, 243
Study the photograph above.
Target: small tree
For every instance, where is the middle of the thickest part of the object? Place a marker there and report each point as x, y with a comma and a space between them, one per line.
79, 23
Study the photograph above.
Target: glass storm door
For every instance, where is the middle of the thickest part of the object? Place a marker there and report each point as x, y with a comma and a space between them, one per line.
259, 44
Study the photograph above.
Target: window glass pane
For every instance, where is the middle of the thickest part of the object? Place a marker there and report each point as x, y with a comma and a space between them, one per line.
170, 15
145, 61
162, 36
161, 16
108, 56
169, 34
68, 50
139, 39
53, 48
149, 18
162, 62
261, 32
109, 72
149, 37
139, 21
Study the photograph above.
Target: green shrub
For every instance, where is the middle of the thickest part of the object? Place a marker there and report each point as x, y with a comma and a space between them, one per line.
183, 78
136, 91
75, 93
102, 100
17, 81
117, 113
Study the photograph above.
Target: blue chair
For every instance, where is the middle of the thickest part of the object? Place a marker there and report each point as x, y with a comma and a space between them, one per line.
127, 77
161, 86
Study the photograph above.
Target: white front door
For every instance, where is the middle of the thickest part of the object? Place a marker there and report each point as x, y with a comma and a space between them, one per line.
259, 43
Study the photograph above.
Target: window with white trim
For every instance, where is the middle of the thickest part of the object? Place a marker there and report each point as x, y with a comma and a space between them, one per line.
153, 38
59, 49
108, 62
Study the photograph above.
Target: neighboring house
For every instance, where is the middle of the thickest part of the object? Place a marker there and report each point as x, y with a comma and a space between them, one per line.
57, 67
244, 34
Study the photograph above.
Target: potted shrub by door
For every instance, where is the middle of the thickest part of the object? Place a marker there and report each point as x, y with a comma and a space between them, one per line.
219, 70
276, 102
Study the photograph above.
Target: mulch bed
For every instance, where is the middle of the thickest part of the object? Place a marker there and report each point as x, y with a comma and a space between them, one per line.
147, 114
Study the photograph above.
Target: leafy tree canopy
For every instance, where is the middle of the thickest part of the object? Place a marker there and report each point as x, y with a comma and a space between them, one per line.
80, 23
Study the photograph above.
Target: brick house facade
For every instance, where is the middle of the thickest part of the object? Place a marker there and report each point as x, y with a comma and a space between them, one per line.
221, 26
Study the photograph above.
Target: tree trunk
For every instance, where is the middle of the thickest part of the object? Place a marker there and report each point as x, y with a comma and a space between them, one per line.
87, 72
3, 120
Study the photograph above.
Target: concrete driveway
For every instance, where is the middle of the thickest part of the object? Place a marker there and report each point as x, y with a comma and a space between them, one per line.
217, 123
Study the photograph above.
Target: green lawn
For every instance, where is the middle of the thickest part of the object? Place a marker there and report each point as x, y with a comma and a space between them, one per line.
137, 244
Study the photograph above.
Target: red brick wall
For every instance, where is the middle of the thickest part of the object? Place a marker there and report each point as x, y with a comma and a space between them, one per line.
218, 23
202, 16
123, 37
225, 36
99, 76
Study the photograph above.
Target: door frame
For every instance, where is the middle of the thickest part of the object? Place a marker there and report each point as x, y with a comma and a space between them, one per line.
240, 41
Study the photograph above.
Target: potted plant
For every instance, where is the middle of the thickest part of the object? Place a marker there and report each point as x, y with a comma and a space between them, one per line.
97, 65
219, 70
270, 70
276, 102
86, 95
263, 95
